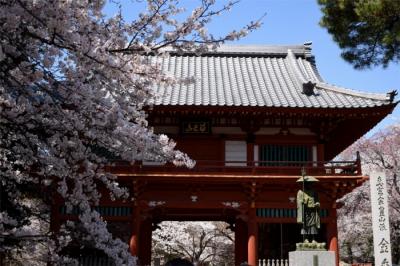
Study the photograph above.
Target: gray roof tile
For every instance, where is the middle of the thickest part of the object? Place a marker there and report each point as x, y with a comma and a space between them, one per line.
264, 76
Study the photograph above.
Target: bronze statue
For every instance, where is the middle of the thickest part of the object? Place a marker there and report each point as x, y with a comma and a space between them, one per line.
308, 208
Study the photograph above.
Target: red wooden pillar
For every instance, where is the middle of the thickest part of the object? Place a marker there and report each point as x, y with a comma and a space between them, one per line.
145, 242
332, 233
252, 238
134, 241
240, 242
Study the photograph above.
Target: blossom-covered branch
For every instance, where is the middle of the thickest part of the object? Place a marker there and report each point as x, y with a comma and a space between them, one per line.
73, 89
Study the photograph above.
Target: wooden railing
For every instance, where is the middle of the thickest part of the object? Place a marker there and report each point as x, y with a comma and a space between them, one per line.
331, 168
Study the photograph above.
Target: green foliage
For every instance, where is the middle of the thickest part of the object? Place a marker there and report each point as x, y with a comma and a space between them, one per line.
368, 31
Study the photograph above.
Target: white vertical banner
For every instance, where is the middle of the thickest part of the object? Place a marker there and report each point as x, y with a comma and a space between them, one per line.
380, 219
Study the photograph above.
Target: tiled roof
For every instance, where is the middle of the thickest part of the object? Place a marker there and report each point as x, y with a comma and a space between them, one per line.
264, 76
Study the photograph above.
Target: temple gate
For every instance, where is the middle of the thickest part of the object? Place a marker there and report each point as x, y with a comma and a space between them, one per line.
254, 117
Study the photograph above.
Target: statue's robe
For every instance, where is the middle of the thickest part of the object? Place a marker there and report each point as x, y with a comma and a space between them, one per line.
308, 211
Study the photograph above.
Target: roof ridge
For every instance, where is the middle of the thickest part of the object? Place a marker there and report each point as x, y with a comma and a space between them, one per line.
262, 47
306, 81
290, 58
351, 92
251, 49
254, 49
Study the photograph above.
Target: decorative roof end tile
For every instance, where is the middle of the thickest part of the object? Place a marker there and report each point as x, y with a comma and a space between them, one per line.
308, 87
391, 95
308, 49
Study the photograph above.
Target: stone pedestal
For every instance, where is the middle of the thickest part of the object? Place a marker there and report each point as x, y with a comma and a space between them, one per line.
312, 258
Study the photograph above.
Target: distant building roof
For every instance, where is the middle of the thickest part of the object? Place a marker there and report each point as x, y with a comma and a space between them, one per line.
263, 76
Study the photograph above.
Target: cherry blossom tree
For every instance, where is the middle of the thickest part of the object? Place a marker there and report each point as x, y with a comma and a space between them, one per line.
198, 242
74, 86
355, 226
380, 152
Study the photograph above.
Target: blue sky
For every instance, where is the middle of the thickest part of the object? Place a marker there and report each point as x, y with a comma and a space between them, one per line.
296, 22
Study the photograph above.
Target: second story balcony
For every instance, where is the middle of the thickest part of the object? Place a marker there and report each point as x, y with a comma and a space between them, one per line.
245, 168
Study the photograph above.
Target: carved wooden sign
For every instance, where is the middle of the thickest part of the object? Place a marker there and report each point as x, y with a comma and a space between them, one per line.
380, 220
196, 127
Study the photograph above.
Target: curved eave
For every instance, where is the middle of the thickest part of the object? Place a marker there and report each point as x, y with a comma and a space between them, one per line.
358, 125
384, 109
